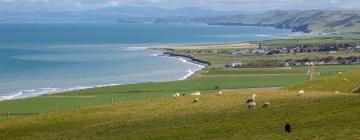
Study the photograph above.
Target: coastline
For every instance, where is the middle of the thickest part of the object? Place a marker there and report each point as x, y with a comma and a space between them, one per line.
51, 91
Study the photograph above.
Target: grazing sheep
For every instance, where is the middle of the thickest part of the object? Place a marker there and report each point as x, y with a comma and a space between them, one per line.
337, 92
266, 104
345, 80
195, 100
251, 99
196, 94
340, 72
251, 105
220, 93
301, 93
287, 128
176, 94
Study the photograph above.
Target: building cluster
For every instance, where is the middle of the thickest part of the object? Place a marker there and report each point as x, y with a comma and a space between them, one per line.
266, 50
351, 60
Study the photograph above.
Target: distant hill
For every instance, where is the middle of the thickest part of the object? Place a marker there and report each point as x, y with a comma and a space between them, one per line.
321, 21
315, 21
110, 14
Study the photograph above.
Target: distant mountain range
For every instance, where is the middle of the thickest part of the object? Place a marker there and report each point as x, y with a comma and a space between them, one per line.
318, 21
110, 14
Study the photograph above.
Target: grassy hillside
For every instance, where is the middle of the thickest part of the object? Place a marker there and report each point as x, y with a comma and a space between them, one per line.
316, 21
343, 82
318, 115
107, 95
148, 110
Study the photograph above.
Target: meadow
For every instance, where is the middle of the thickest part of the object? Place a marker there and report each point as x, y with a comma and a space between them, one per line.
149, 110
317, 115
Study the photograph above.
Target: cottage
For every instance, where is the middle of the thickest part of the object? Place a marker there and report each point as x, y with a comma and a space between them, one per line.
233, 65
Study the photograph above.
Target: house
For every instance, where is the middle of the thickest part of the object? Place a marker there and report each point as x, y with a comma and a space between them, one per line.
332, 52
233, 65
286, 64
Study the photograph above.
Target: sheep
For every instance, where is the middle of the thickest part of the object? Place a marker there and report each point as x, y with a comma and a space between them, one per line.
251, 99
195, 100
287, 128
251, 105
340, 72
266, 104
337, 92
301, 93
345, 79
176, 94
196, 94
220, 93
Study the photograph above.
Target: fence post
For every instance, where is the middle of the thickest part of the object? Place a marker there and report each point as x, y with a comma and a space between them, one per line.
46, 109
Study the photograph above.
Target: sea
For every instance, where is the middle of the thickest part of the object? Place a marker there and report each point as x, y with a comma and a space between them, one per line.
46, 58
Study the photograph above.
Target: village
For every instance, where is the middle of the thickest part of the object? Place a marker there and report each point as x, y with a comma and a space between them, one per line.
263, 50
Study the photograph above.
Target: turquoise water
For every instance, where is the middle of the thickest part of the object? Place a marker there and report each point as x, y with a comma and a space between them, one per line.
44, 58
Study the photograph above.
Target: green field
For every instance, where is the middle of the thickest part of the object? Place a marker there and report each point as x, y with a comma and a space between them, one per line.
149, 110
342, 82
324, 41
207, 81
107, 95
318, 115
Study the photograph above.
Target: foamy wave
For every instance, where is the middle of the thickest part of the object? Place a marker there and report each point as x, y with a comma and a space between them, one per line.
48, 90
156, 55
136, 48
189, 74
11, 96
263, 35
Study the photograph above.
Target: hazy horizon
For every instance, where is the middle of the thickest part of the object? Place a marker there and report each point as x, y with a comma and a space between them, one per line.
216, 5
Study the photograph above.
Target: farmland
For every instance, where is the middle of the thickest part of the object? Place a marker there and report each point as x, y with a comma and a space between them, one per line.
149, 110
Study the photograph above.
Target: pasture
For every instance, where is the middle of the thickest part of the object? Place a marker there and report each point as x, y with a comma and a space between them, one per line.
317, 115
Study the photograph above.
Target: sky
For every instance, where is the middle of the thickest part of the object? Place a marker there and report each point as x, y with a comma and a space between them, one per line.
218, 5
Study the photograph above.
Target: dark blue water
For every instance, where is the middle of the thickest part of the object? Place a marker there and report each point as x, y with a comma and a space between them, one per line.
41, 58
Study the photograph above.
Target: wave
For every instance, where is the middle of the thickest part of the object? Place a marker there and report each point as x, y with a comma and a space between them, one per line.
263, 35
48, 90
189, 74
136, 48
2, 98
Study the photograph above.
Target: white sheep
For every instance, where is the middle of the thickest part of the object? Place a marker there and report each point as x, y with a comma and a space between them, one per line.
176, 94
337, 92
266, 104
196, 94
195, 100
301, 93
251, 99
340, 72
251, 105
220, 93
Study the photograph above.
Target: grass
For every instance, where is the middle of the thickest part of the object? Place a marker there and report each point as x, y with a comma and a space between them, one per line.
214, 117
148, 110
344, 82
219, 60
323, 41
106, 95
